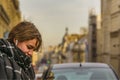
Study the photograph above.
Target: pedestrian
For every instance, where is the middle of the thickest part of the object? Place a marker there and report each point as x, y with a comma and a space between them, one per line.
16, 52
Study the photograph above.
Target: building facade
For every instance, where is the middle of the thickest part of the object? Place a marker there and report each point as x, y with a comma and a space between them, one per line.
92, 38
10, 15
110, 12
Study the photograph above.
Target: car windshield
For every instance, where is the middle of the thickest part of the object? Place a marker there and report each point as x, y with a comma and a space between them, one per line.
84, 74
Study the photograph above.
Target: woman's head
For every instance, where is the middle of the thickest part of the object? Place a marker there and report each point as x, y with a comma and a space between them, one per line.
26, 32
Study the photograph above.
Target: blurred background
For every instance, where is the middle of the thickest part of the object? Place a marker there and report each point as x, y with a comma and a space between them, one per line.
72, 30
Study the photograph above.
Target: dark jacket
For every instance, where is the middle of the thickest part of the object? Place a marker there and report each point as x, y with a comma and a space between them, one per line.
14, 64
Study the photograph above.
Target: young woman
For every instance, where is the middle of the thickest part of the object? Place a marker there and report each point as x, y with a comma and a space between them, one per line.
16, 52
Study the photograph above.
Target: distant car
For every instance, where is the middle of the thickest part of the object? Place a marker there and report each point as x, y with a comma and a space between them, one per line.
80, 71
38, 76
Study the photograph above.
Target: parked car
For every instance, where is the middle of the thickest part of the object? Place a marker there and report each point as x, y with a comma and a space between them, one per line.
38, 76
80, 71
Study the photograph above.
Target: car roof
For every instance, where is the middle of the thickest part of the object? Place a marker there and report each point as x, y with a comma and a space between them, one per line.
38, 74
78, 65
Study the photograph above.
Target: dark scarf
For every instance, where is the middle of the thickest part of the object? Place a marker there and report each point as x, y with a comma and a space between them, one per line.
21, 59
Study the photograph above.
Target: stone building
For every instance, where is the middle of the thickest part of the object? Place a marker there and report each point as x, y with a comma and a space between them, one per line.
110, 12
95, 37
92, 38
99, 39
74, 47
10, 15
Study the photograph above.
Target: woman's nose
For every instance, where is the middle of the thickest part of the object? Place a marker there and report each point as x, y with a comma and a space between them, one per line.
30, 52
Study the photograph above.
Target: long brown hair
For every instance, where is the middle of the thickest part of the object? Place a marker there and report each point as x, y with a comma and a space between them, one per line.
25, 31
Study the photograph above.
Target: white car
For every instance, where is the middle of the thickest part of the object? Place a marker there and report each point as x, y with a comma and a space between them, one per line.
80, 71
38, 76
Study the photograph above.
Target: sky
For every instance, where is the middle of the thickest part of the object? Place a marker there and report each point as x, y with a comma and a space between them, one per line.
51, 17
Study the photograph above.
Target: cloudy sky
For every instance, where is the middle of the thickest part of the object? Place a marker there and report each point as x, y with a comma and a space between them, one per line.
52, 16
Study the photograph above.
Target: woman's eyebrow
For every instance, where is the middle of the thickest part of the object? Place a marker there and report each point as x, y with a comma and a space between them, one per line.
31, 46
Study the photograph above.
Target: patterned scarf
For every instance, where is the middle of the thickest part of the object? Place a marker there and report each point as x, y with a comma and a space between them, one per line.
12, 51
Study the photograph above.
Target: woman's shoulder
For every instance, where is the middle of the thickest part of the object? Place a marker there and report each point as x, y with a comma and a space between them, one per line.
2, 54
3, 57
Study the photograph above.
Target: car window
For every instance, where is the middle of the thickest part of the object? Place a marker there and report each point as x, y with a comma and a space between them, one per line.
84, 74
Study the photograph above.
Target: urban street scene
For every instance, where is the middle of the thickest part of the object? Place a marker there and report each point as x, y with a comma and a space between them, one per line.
60, 39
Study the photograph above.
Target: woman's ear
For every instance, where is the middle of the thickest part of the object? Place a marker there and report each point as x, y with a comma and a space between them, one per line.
16, 41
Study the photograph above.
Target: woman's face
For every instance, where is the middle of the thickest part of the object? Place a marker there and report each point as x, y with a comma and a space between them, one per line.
27, 46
